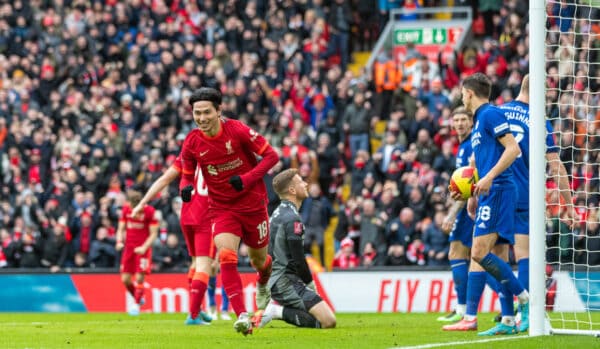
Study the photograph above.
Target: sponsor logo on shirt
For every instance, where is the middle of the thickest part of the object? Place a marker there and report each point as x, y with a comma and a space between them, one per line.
229, 147
501, 127
211, 170
298, 228
253, 135
228, 166
135, 225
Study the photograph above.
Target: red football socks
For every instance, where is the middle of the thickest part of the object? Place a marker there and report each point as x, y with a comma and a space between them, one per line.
264, 273
139, 292
197, 290
232, 280
131, 289
190, 276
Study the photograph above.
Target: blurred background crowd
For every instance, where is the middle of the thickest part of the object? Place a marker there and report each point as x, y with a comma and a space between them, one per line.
93, 101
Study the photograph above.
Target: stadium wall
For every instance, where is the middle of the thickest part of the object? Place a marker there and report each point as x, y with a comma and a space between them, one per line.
345, 291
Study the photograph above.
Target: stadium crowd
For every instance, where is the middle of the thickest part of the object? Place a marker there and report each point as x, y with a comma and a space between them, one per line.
93, 101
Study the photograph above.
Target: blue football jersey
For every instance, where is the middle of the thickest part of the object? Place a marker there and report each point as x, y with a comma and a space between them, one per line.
517, 114
464, 152
490, 124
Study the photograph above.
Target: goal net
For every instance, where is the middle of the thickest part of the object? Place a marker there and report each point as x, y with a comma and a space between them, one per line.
572, 96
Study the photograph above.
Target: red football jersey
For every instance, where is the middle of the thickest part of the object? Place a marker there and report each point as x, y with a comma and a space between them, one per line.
195, 211
137, 229
230, 152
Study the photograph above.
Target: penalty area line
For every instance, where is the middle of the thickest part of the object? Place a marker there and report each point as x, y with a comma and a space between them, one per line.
448, 344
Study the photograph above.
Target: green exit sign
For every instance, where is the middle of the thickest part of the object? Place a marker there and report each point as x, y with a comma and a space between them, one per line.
424, 36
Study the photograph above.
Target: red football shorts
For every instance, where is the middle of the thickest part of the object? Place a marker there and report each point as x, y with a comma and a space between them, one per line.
252, 227
133, 263
198, 239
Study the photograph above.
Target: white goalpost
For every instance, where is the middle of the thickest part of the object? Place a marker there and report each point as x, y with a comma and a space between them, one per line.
564, 68
537, 166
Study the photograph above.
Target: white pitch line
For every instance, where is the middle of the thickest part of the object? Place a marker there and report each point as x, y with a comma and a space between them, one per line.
96, 322
447, 344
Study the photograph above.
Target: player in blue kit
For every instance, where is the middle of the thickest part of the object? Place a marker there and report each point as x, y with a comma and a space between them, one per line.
457, 222
517, 114
495, 149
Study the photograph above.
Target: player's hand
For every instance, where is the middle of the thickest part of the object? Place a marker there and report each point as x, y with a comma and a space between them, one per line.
119, 246
570, 216
483, 186
136, 210
186, 193
447, 224
139, 250
456, 196
236, 183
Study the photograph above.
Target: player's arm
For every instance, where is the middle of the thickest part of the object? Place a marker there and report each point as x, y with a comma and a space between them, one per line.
269, 159
153, 227
159, 184
188, 168
451, 216
120, 235
559, 172
150, 239
250, 139
296, 249
510, 153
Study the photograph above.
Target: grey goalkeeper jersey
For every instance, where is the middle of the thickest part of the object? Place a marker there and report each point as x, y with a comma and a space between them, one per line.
286, 243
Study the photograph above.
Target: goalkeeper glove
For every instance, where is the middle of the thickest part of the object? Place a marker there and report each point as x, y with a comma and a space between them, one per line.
236, 183
186, 193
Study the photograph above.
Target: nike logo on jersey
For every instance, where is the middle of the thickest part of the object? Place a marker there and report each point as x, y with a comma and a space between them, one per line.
203, 153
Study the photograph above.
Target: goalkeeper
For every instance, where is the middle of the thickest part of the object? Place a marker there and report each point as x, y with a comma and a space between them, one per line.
291, 282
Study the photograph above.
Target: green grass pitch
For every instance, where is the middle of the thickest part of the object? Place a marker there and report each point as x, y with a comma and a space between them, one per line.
167, 331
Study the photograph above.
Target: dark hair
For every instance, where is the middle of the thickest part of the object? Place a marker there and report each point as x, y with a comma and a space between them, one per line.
282, 181
480, 84
207, 94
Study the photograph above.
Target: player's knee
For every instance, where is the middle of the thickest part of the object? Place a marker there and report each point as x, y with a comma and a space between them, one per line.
203, 264
257, 261
228, 256
126, 278
521, 254
454, 254
477, 256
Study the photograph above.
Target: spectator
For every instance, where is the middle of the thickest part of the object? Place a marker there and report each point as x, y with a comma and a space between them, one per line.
28, 251
80, 260
348, 218
170, 255
316, 211
436, 242
372, 224
346, 258
357, 122
102, 252
396, 255
401, 230
55, 248
370, 257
